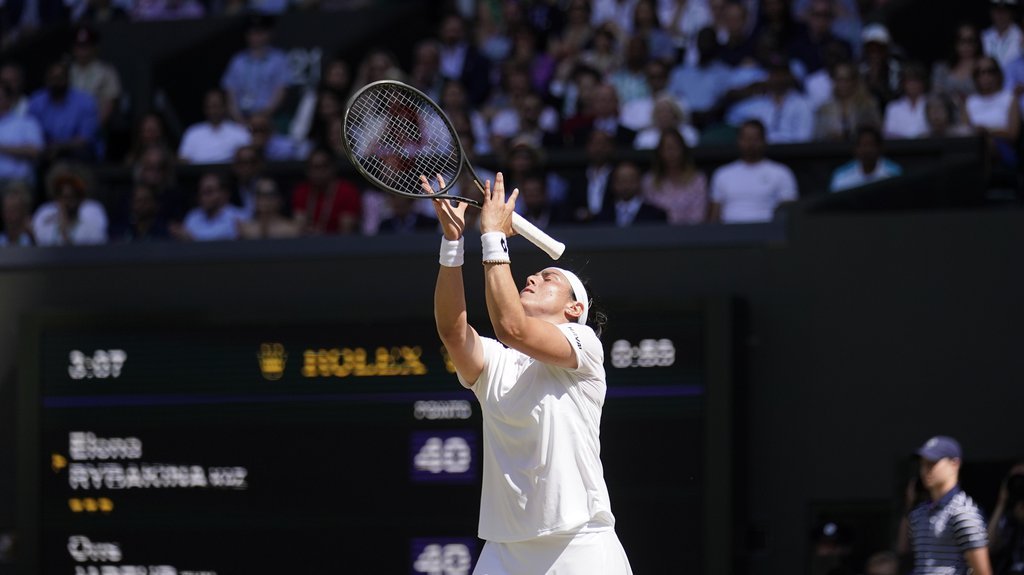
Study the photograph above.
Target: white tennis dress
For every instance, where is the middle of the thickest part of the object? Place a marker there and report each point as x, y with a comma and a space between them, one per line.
544, 507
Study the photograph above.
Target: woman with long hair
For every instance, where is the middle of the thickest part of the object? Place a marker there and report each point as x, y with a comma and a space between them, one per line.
674, 183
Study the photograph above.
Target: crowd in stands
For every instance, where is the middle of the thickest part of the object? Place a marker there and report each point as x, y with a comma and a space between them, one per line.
517, 78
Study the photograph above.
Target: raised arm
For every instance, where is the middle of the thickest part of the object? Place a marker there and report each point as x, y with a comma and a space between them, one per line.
537, 337
459, 338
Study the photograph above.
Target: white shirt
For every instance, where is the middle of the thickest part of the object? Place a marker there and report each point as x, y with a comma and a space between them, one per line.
906, 120
205, 144
90, 227
751, 192
542, 471
1004, 48
992, 111
222, 226
597, 182
786, 122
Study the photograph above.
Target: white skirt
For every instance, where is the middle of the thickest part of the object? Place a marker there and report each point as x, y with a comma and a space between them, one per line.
590, 553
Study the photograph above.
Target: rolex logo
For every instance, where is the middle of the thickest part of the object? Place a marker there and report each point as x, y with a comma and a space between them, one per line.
272, 359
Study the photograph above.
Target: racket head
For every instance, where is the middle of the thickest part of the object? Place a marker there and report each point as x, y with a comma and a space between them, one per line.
394, 133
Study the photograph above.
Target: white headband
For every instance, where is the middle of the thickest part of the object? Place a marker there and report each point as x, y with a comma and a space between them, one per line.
579, 292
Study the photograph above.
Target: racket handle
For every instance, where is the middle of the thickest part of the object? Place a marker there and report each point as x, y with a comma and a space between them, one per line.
537, 237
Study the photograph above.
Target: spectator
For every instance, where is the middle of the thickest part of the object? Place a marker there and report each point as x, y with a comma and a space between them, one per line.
145, 221
215, 140
168, 10
525, 158
751, 188
337, 80
529, 119
947, 532
808, 47
604, 117
13, 76
20, 19
880, 70
575, 93
667, 115
846, 18
325, 203
528, 51
627, 206
328, 107
737, 48
630, 79
868, 164
776, 27
647, 26
404, 219
149, 132
818, 85
155, 170
1002, 40
462, 61
17, 215
905, 116
426, 69
21, 141
69, 117
602, 53
213, 218
783, 110
256, 78
851, 106
943, 122
70, 217
954, 77
702, 84
247, 169
455, 104
91, 75
587, 190
576, 34
637, 114
674, 183
993, 112
274, 147
537, 205
684, 19
1006, 528
267, 220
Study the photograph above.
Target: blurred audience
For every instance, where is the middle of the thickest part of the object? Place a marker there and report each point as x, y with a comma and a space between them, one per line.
325, 203
953, 76
625, 205
905, 117
256, 78
214, 217
1006, 526
850, 106
144, 221
1002, 40
21, 141
93, 76
69, 117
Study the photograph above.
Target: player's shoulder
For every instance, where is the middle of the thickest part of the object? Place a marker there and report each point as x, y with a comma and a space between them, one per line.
580, 336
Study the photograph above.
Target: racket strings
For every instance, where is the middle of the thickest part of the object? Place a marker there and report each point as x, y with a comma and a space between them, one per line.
396, 135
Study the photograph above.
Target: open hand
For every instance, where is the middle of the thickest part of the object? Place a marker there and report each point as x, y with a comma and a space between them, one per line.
496, 213
452, 218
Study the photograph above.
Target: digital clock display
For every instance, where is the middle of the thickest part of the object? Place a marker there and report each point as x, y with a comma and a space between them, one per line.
220, 449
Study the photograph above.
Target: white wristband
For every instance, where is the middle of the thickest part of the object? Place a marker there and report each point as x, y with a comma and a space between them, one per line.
452, 252
495, 248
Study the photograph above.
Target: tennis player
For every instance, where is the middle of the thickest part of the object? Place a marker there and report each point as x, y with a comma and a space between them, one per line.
541, 386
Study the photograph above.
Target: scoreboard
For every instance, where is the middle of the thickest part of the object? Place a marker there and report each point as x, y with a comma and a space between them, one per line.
159, 446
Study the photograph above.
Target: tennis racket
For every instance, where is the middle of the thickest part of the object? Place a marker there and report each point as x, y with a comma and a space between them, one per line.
395, 133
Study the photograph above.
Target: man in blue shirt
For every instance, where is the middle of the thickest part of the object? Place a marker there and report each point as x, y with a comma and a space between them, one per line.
21, 141
257, 77
69, 118
947, 533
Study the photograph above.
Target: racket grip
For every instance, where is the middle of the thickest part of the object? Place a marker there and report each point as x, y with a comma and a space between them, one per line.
537, 237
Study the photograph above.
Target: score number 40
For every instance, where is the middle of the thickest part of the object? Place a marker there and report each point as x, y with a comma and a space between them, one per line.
102, 364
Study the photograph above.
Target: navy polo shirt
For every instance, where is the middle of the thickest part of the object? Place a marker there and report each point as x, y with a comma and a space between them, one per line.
941, 531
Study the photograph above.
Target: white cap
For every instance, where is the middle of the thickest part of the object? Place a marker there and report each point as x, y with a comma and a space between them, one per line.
875, 33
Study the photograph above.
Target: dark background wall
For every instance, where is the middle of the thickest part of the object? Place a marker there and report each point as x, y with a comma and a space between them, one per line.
866, 335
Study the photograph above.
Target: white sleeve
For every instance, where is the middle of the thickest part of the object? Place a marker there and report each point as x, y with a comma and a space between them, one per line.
787, 184
589, 352
492, 359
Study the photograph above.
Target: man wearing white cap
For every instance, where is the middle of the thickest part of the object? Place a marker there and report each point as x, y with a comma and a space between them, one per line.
947, 533
541, 385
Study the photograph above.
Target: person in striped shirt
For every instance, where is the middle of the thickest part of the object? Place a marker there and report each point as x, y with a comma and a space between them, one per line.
947, 533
